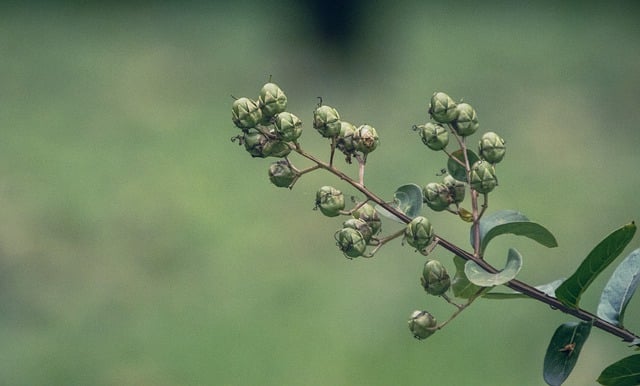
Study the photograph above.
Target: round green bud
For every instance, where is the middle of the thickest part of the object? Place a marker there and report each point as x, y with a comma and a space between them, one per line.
435, 136
327, 121
272, 100
288, 126
435, 279
436, 196
351, 242
361, 226
259, 145
278, 149
256, 144
419, 233
346, 138
330, 201
281, 174
483, 177
245, 113
366, 139
491, 147
442, 108
456, 188
368, 214
422, 324
467, 121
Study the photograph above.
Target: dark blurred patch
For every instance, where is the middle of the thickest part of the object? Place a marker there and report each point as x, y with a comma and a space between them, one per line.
336, 23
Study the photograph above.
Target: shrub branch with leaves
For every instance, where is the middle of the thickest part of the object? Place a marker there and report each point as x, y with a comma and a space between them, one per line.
268, 130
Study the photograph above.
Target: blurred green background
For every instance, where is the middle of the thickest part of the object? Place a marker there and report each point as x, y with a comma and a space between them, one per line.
140, 246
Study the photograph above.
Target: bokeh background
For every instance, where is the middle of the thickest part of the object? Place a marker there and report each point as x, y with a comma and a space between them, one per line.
140, 246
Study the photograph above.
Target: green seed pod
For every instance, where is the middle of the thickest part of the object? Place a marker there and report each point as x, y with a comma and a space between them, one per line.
259, 145
359, 225
245, 113
288, 126
422, 324
351, 242
456, 188
467, 121
419, 233
281, 174
256, 144
330, 201
483, 177
346, 138
366, 139
272, 100
368, 214
436, 196
327, 121
435, 136
442, 108
278, 149
491, 147
435, 279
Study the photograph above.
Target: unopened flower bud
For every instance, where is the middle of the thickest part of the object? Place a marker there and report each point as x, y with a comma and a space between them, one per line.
346, 142
436, 196
456, 188
281, 174
422, 324
435, 279
442, 108
245, 113
361, 226
327, 121
467, 121
419, 233
351, 242
288, 126
483, 177
491, 147
368, 214
330, 201
256, 144
435, 136
272, 100
366, 139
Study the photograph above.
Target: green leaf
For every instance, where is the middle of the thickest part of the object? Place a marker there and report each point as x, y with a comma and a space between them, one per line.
619, 289
407, 199
460, 285
549, 289
599, 258
458, 171
478, 276
625, 372
563, 351
511, 221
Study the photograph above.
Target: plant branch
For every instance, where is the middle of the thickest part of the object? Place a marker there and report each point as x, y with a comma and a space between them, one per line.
536, 294
515, 285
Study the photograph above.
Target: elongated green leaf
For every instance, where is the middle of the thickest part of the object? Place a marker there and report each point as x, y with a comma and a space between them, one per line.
407, 199
563, 351
598, 259
458, 171
478, 276
625, 372
511, 221
549, 289
619, 289
460, 285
